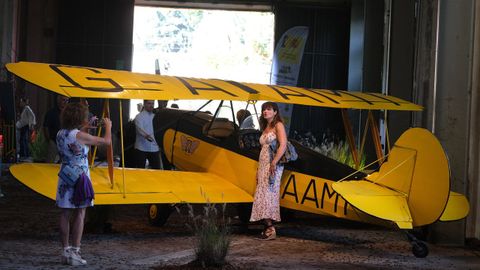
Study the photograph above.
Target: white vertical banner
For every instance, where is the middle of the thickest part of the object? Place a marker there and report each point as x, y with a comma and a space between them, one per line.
286, 63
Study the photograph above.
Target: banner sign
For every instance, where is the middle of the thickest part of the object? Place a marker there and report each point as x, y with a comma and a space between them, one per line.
286, 63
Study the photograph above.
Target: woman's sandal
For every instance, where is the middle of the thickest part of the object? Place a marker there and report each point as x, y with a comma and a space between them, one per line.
268, 234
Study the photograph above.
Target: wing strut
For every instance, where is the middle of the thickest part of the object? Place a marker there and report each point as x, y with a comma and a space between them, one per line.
123, 153
351, 141
376, 137
109, 147
105, 113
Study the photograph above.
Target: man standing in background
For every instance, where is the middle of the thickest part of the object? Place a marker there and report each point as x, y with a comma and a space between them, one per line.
25, 125
145, 145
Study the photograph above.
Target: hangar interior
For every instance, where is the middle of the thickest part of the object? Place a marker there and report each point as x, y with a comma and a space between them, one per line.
422, 51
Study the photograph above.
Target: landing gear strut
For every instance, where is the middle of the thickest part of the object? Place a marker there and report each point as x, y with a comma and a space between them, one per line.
419, 248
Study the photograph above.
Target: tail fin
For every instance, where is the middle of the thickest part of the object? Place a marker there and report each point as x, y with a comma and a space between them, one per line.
416, 178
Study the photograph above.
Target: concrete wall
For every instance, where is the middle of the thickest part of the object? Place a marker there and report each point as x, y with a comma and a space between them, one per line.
426, 63
37, 40
365, 60
455, 45
86, 33
6, 26
473, 170
402, 40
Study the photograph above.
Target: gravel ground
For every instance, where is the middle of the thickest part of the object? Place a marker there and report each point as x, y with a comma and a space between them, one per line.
29, 240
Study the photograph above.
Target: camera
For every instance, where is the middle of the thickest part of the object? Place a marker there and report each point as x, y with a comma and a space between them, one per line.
95, 122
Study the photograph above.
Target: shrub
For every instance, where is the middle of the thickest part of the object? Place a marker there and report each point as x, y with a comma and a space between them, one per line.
39, 147
341, 153
331, 147
212, 235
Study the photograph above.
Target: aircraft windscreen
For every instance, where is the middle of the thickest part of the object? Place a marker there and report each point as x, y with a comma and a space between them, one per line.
246, 116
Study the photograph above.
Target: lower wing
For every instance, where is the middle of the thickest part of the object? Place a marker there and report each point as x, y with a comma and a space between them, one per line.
137, 186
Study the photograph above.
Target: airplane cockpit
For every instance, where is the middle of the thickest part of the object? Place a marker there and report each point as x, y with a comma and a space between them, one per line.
249, 138
219, 128
233, 120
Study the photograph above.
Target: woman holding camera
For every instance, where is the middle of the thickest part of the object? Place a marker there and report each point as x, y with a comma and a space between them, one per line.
72, 144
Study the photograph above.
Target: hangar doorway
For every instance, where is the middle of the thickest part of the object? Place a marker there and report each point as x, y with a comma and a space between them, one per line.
202, 43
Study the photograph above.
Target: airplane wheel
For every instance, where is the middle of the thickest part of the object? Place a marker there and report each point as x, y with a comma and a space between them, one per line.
419, 249
158, 214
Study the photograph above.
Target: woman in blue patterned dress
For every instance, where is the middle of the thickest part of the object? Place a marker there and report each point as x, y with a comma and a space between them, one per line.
72, 144
266, 202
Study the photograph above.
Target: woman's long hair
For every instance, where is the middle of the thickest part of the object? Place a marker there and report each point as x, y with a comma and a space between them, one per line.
73, 115
277, 118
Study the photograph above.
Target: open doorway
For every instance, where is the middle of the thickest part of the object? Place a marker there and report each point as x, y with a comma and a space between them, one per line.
204, 44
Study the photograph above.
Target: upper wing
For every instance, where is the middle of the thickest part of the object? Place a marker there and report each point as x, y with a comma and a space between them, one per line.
86, 82
142, 186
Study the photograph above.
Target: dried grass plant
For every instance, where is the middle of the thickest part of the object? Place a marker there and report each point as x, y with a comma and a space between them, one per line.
212, 234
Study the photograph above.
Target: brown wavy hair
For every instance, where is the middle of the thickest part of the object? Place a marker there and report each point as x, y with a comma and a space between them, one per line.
73, 115
277, 118
242, 115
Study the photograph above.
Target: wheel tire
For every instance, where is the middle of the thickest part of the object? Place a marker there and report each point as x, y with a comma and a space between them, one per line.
419, 249
158, 214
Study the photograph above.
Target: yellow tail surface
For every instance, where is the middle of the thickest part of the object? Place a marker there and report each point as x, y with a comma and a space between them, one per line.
412, 188
457, 207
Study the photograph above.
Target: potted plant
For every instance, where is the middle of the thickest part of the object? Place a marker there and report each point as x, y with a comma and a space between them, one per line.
38, 147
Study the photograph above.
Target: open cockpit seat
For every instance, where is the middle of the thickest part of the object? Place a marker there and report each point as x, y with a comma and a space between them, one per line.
203, 115
249, 138
220, 128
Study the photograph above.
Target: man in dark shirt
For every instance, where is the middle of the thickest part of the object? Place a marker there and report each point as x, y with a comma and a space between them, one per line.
51, 126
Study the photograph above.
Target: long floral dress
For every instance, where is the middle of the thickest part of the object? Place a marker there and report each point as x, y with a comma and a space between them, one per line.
76, 154
266, 203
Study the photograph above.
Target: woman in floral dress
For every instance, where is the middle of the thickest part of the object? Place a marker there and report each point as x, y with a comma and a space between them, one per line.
266, 203
73, 150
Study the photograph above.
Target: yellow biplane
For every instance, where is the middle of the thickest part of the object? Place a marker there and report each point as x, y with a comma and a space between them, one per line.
410, 189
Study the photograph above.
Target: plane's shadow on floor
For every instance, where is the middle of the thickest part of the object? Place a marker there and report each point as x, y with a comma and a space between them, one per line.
315, 228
